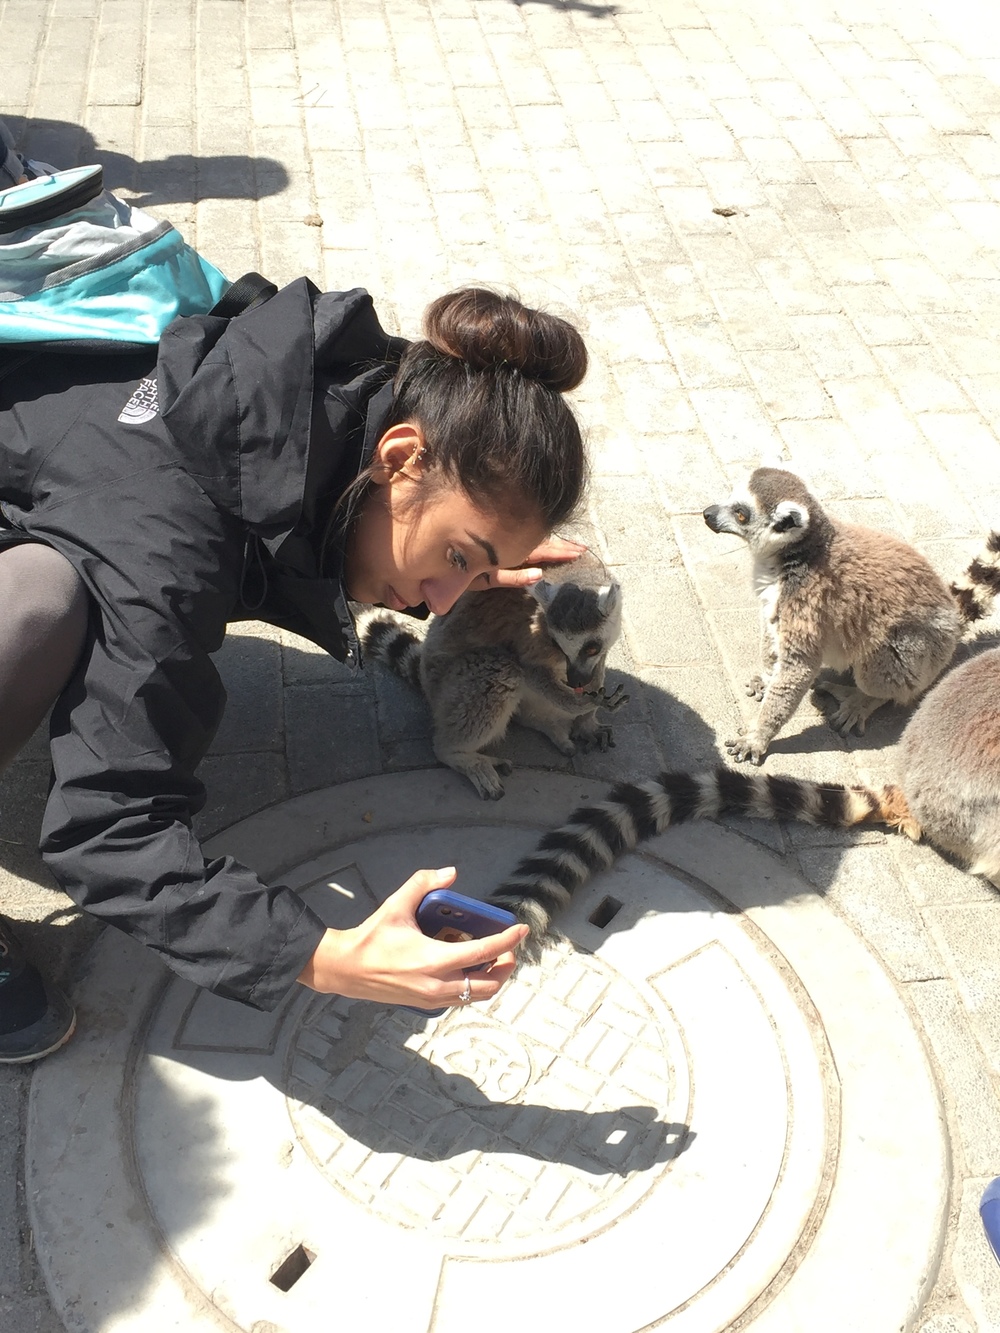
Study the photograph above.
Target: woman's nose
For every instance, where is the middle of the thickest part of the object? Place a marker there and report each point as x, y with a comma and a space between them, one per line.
440, 595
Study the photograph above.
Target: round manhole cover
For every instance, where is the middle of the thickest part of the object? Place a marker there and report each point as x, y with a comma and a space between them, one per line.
701, 1112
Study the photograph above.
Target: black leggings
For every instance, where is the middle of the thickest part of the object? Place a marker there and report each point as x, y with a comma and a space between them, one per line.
43, 622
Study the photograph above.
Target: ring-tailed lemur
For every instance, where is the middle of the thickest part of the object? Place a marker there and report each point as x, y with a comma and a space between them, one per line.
842, 596
535, 653
949, 791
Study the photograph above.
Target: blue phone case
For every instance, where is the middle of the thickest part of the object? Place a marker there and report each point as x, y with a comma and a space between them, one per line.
446, 915
989, 1211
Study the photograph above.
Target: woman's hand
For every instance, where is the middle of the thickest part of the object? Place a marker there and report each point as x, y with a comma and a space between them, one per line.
551, 551
389, 960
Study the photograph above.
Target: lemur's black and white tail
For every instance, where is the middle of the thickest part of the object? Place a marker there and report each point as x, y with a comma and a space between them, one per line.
385, 640
597, 835
980, 583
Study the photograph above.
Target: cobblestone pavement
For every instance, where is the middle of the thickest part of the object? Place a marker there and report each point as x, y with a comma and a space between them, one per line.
778, 226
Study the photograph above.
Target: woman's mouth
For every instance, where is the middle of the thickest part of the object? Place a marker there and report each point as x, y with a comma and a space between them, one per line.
394, 602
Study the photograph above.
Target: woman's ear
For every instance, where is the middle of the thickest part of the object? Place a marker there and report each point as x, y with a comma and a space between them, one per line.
400, 451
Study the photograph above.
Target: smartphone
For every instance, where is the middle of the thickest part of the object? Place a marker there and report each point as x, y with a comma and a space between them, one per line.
454, 918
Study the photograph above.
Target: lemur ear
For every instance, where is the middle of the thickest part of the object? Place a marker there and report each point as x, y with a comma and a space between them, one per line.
607, 599
789, 515
543, 592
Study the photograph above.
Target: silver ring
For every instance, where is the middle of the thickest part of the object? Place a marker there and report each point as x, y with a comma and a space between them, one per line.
466, 996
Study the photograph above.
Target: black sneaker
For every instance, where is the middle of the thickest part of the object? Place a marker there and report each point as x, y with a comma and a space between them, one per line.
35, 1016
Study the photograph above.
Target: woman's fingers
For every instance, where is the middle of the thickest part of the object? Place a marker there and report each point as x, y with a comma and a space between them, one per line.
514, 578
555, 548
388, 959
551, 551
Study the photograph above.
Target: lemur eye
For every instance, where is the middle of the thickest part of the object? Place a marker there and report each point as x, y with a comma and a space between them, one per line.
741, 515
591, 650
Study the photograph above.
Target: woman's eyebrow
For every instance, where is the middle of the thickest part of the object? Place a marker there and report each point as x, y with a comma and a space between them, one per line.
491, 554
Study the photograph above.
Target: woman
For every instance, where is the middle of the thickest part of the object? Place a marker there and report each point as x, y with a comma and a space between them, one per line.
273, 466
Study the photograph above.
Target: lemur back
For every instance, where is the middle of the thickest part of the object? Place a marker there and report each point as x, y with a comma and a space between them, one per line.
949, 791
842, 596
537, 654
950, 757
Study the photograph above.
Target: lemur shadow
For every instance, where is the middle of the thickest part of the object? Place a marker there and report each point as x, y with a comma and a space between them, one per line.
178, 179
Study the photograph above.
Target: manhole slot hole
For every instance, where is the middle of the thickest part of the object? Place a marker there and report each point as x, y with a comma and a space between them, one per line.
288, 1273
605, 912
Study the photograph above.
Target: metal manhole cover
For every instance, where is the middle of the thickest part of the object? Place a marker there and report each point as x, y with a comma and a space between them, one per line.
702, 1116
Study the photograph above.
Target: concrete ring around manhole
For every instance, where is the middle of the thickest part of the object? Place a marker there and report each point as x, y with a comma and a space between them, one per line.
711, 1112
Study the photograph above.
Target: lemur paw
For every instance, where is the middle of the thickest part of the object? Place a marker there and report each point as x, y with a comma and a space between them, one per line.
486, 778
746, 748
599, 738
755, 687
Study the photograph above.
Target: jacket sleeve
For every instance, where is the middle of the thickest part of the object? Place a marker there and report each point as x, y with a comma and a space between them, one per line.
127, 736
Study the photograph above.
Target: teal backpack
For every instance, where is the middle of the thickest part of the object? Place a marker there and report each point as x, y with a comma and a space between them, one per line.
83, 271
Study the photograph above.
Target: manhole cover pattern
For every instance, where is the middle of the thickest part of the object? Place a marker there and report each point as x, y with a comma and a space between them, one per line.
485, 1125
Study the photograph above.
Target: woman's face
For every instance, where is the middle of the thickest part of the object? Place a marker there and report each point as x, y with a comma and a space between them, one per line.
418, 541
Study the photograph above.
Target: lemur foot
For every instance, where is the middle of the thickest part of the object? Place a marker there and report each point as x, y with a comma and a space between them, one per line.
755, 687
484, 774
855, 708
745, 748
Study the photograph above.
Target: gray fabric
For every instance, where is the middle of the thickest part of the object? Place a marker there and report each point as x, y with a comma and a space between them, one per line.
14, 166
43, 610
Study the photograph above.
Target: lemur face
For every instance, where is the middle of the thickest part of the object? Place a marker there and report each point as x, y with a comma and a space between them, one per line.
584, 623
769, 511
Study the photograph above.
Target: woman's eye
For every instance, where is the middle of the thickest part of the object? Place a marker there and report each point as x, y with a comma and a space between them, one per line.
458, 560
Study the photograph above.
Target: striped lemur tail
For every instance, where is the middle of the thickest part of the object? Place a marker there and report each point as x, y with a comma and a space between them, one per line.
387, 641
597, 835
980, 583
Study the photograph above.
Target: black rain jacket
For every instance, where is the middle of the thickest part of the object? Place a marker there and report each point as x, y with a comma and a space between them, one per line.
189, 485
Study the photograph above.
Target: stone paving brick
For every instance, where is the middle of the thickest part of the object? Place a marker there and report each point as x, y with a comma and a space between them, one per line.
864, 884
332, 736
826, 454
976, 1096
250, 668
737, 425
967, 936
787, 384
921, 380
260, 780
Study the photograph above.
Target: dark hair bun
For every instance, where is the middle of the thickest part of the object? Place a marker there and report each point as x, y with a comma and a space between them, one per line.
487, 331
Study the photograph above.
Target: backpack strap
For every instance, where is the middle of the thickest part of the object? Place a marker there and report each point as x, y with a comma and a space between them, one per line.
245, 293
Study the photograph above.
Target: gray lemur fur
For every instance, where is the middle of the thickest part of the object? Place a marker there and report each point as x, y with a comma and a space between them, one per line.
536, 654
950, 764
839, 595
948, 791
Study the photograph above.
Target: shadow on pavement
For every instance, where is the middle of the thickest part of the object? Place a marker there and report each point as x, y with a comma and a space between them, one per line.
574, 6
179, 179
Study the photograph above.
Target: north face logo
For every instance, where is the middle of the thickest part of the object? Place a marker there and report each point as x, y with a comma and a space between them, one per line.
142, 406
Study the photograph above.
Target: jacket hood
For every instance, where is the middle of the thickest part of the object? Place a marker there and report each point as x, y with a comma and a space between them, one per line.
237, 395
